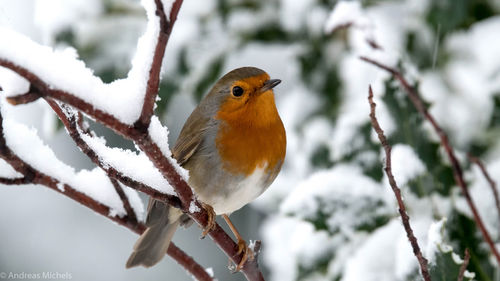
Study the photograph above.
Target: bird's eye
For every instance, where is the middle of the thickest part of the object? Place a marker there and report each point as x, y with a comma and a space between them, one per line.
237, 91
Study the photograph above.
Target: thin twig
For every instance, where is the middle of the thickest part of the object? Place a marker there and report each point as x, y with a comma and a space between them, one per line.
457, 168
397, 192
492, 183
31, 96
166, 25
464, 265
80, 123
16, 181
126, 203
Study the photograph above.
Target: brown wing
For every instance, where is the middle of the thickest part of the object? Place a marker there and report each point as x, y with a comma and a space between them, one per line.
190, 137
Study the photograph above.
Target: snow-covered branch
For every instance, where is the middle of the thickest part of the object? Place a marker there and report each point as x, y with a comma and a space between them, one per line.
126, 217
114, 164
165, 25
457, 168
126, 106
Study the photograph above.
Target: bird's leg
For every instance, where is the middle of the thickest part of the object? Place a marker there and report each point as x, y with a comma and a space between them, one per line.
211, 219
242, 245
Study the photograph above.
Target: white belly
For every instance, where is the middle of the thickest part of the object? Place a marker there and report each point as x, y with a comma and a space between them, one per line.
241, 193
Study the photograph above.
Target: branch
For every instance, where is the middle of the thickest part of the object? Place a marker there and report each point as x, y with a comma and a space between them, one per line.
166, 26
164, 165
31, 96
17, 181
46, 91
73, 124
490, 180
126, 204
457, 169
31, 175
140, 135
219, 236
464, 265
397, 192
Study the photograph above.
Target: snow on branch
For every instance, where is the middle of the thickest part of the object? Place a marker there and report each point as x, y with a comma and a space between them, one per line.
127, 100
25, 144
73, 123
125, 106
128, 219
445, 143
156, 12
397, 192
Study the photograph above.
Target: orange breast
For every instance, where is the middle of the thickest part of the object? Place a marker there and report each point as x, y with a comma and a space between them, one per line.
251, 136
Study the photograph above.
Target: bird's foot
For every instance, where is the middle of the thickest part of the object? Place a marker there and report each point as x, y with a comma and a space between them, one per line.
248, 254
211, 219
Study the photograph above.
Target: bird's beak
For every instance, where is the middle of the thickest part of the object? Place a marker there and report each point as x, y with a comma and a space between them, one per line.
269, 84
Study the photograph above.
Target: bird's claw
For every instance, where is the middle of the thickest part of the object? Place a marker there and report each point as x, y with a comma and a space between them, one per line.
248, 254
210, 221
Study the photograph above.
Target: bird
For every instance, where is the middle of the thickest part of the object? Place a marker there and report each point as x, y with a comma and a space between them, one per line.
233, 145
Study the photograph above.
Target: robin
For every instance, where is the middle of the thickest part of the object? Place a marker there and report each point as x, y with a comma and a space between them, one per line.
233, 145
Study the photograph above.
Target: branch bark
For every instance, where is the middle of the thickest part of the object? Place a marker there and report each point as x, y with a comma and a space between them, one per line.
126, 203
397, 192
18, 181
464, 265
492, 183
445, 143
166, 26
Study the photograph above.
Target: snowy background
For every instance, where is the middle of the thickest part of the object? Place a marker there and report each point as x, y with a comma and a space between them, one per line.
330, 215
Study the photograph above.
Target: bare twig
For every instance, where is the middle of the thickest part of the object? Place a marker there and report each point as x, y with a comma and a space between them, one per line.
189, 264
372, 43
80, 123
493, 184
457, 169
31, 96
126, 203
397, 192
464, 265
16, 181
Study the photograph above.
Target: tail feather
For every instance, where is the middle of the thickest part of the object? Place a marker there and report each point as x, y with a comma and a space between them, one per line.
151, 247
